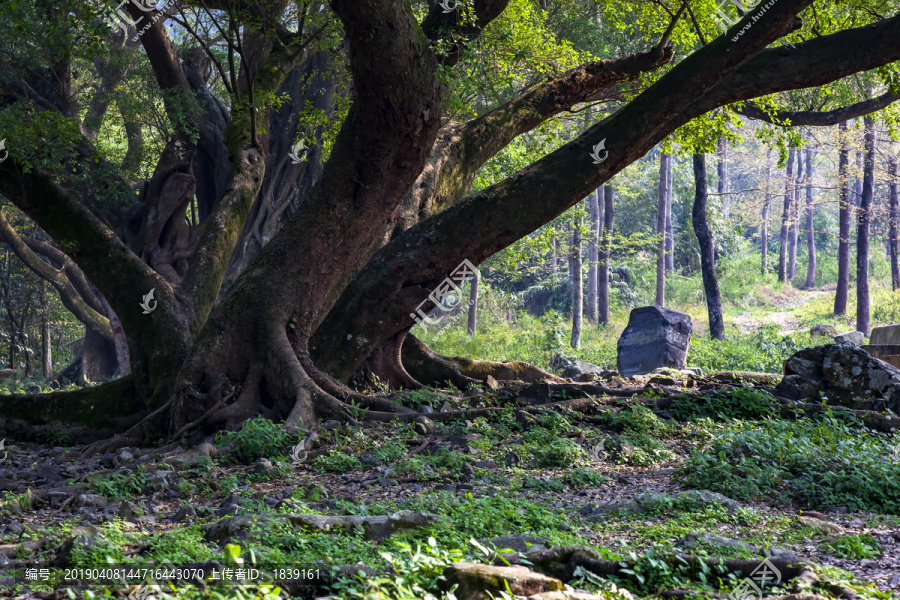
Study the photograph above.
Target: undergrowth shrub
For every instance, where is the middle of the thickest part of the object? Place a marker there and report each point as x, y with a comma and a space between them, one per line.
824, 461
258, 438
747, 403
857, 546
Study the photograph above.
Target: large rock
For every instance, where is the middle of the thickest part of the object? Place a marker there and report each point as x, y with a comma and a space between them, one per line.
481, 582
885, 336
847, 375
851, 337
571, 367
823, 330
371, 528
655, 337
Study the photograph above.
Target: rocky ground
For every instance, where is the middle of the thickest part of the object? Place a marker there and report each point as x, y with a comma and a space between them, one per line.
586, 495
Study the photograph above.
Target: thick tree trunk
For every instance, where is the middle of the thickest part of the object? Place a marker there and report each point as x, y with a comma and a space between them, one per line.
892, 226
661, 215
609, 214
764, 232
795, 219
843, 282
670, 234
786, 217
810, 233
862, 232
595, 221
577, 283
707, 255
472, 323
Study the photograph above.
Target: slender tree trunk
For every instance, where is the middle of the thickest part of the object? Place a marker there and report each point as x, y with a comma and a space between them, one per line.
722, 175
892, 225
577, 283
593, 240
554, 268
661, 230
843, 282
46, 339
670, 234
609, 215
764, 233
795, 219
570, 260
707, 244
862, 233
810, 234
858, 184
786, 217
473, 303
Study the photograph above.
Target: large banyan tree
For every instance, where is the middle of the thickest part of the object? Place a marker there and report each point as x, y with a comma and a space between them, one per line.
278, 268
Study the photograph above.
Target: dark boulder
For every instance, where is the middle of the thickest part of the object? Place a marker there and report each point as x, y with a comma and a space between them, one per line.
574, 368
845, 374
655, 337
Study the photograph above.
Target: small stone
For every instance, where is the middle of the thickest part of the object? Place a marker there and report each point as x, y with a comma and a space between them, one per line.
491, 383
206, 449
125, 456
425, 409
479, 582
820, 329
447, 407
857, 524
868, 564
486, 464
424, 426
263, 466
331, 424
185, 513
823, 525
386, 482
93, 500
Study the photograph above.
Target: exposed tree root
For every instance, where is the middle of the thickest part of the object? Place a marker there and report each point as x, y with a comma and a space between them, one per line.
562, 562
85, 415
431, 368
871, 419
386, 365
737, 377
347, 395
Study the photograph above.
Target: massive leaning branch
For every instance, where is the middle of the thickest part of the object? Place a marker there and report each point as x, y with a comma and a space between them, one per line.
463, 148
812, 118
404, 273
120, 276
70, 297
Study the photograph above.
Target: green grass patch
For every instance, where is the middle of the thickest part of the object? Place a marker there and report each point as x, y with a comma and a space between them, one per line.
818, 462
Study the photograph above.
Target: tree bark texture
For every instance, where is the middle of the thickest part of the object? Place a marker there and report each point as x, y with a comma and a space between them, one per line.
810, 232
892, 224
862, 232
609, 214
843, 282
764, 231
595, 221
707, 244
661, 214
577, 283
786, 218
